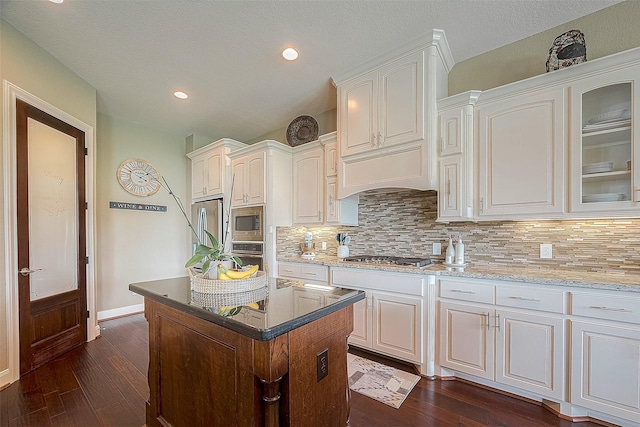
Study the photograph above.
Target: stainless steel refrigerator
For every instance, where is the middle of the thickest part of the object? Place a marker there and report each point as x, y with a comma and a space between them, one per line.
207, 216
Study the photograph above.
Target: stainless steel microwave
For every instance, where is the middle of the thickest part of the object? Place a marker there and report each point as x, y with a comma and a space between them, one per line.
247, 224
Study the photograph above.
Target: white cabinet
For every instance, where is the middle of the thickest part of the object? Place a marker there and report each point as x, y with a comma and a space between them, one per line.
455, 192
308, 184
604, 164
315, 273
391, 318
384, 107
513, 335
387, 118
605, 348
249, 182
315, 190
522, 141
209, 169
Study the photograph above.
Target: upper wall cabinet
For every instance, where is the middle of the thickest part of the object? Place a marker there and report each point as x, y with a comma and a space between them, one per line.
605, 133
522, 142
209, 169
315, 199
387, 118
261, 174
455, 192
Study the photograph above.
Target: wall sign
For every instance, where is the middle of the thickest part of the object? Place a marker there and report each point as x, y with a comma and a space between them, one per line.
137, 207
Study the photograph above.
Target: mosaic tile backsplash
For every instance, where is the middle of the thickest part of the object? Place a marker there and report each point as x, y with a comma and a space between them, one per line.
404, 223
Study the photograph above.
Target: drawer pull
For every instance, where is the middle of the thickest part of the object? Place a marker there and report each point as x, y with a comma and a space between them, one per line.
525, 299
621, 310
463, 291
309, 273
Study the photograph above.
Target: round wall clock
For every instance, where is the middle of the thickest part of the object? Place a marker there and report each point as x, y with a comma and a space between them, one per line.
138, 177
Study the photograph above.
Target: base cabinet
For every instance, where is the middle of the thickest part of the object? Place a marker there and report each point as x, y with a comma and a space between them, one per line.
385, 322
519, 348
606, 369
605, 348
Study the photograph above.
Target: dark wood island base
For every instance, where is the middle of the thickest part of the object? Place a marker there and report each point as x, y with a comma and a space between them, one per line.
205, 374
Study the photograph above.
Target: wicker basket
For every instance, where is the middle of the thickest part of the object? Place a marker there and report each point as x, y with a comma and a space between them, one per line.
213, 286
213, 300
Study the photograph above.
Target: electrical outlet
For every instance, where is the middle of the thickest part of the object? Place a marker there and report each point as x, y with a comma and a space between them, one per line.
546, 251
323, 245
437, 249
322, 364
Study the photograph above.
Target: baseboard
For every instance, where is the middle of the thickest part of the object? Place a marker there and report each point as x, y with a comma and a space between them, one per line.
5, 381
119, 312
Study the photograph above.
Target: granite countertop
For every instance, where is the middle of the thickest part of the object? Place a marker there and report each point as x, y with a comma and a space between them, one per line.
261, 314
555, 277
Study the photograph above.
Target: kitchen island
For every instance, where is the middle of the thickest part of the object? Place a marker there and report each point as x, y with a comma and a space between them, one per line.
275, 356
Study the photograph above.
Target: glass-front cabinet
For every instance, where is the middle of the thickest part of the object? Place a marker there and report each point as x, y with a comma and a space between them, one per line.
605, 159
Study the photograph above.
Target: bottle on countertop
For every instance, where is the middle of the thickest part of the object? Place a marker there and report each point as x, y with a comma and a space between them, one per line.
459, 251
450, 254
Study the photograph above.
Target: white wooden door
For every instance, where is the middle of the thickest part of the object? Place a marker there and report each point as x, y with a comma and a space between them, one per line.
397, 326
256, 183
450, 196
467, 339
331, 159
451, 122
308, 187
605, 368
522, 144
530, 352
358, 114
239, 178
215, 163
401, 101
197, 177
361, 335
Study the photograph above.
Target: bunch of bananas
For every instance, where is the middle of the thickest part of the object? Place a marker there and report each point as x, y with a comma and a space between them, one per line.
225, 274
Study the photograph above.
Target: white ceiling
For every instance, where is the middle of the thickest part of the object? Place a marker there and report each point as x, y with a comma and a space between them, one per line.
226, 54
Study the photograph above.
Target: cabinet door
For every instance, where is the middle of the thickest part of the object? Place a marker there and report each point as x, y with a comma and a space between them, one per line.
522, 143
467, 339
530, 352
198, 177
214, 177
308, 187
397, 326
605, 155
331, 159
255, 184
357, 114
401, 101
239, 179
605, 368
361, 335
450, 196
451, 123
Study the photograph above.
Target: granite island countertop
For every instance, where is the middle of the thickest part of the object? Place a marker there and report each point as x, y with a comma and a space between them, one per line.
261, 314
615, 281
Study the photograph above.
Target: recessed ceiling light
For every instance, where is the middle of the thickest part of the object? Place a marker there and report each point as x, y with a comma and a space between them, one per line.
290, 54
180, 94
56, 1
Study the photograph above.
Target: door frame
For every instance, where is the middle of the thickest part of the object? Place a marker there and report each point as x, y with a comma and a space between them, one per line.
11, 93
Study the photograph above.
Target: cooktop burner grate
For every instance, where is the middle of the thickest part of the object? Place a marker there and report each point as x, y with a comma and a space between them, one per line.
390, 260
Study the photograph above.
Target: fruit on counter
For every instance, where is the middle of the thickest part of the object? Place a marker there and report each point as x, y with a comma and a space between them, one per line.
232, 274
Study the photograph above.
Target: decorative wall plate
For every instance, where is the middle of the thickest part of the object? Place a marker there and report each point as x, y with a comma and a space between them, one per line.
301, 130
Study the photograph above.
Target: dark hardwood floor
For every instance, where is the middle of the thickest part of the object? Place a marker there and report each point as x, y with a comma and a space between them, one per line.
103, 383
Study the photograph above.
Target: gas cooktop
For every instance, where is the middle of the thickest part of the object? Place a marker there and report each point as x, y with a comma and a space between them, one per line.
390, 260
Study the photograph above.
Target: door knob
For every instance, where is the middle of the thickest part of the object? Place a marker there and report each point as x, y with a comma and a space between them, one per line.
27, 271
